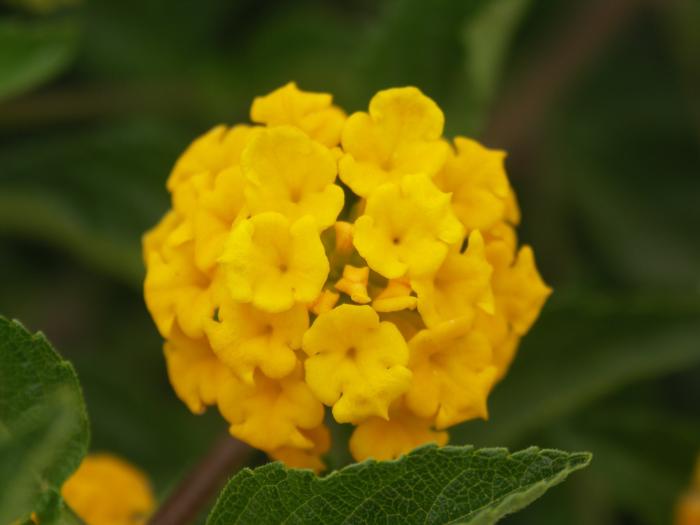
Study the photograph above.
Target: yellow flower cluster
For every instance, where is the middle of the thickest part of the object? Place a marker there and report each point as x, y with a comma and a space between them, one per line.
106, 490
361, 263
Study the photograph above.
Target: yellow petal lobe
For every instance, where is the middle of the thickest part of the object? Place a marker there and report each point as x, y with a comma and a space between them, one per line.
313, 113
407, 228
452, 373
400, 135
273, 263
356, 363
291, 174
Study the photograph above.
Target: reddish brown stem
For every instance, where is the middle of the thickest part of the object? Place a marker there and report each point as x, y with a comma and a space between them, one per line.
565, 55
207, 478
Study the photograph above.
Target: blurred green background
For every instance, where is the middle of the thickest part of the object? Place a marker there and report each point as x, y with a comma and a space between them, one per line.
597, 102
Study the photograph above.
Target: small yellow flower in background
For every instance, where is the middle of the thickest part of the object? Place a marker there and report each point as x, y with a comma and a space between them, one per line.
361, 264
688, 508
106, 490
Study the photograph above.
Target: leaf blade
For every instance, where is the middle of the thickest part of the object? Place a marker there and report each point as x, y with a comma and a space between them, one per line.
429, 485
45, 430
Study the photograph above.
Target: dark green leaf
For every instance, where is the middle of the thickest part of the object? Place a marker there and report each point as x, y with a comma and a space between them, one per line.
429, 485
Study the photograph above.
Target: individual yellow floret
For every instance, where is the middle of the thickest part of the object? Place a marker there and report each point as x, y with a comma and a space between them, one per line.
400, 135
273, 263
194, 370
207, 188
520, 291
407, 228
106, 490
306, 458
208, 206
246, 338
271, 414
452, 373
519, 294
476, 178
216, 150
354, 283
356, 363
396, 296
291, 174
313, 113
174, 288
460, 286
384, 439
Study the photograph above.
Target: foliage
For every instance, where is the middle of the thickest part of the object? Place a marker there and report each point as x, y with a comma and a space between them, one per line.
429, 485
607, 180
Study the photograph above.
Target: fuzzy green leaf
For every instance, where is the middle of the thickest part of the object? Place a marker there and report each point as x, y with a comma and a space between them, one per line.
44, 428
429, 485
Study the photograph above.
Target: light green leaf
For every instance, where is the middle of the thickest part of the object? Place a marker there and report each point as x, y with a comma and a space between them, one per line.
429, 485
45, 429
33, 52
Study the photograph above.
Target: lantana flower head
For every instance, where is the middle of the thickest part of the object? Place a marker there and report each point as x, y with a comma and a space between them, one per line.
317, 267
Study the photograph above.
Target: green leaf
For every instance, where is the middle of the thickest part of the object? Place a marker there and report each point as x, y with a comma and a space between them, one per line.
33, 52
429, 485
44, 424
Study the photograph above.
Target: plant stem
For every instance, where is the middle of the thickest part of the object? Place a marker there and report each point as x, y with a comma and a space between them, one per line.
202, 483
564, 56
